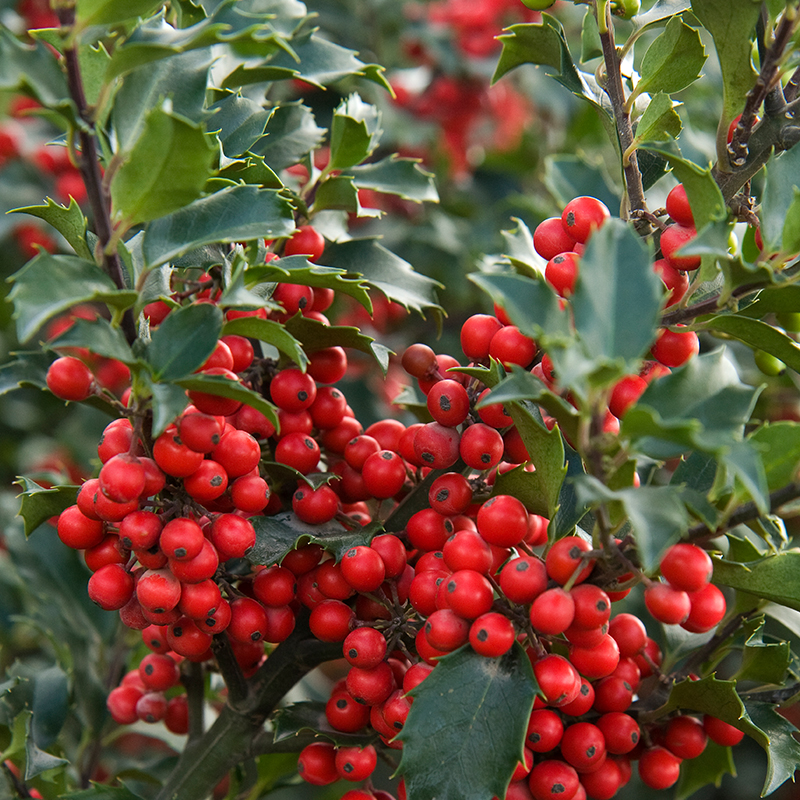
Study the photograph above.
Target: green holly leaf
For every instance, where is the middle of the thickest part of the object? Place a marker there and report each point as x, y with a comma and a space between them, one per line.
758, 720
168, 402
101, 791
99, 336
765, 662
38, 504
291, 720
780, 187
703, 405
233, 214
312, 59
779, 445
291, 133
50, 705
660, 120
568, 175
184, 340
182, 78
271, 332
758, 335
709, 768
278, 534
222, 387
49, 285
656, 513
444, 743
531, 304
615, 276
520, 252
298, 269
731, 25
68, 221
403, 177
238, 122
165, 170
775, 577
32, 70
660, 10
387, 272
26, 369
315, 335
355, 132
339, 192
673, 61
111, 12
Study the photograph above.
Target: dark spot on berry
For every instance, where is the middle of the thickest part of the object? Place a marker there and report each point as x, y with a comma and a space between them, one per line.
302, 302
575, 553
534, 738
255, 636
348, 767
309, 443
522, 566
601, 605
215, 438
486, 458
148, 670
557, 788
341, 703
302, 395
451, 586
448, 526
427, 457
180, 552
483, 635
570, 218
216, 481
444, 403
352, 652
442, 495
177, 631
387, 456
591, 751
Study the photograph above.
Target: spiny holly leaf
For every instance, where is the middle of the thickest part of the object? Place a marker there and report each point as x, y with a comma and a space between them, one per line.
68, 221
168, 402
37, 760
50, 705
764, 662
233, 214
238, 122
779, 194
101, 791
673, 60
271, 332
567, 176
531, 305
31, 69
656, 513
278, 534
340, 192
27, 369
710, 767
314, 60
310, 716
731, 25
702, 405
779, 443
403, 177
184, 340
165, 170
222, 387
49, 285
758, 335
99, 336
660, 10
571, 510
355, 132
291, 133
775, 577
445, 752
156, 39
519, 250
384, 270
615, 277
38, 504
758, 720
315, 335
111, 12
298, 269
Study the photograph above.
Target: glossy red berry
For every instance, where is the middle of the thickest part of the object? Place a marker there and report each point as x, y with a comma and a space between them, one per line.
306, 241
583, 215
686, 566
492, 634
69, 379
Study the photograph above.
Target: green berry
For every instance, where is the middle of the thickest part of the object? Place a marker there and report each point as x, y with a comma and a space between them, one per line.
768, 364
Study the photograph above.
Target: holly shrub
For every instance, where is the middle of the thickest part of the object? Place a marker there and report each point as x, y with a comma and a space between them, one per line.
267, 539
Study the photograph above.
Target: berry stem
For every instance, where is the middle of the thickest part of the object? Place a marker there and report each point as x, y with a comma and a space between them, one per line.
194, 681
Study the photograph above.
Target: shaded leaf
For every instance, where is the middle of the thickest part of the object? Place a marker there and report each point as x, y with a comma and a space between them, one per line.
101, 791
568, 175
165, 170
765, 662
50, 705
315, 335
710, 767
571, 509
238, 122
111, 12
445, 753
99, 336
49, 285
38, 504
271, 332
758, 335
237, 213
37, 760
339, 192
779, 443
355, 132
222, 387
310, 716
775, 577
184, 340
31, 69
278, 534
68, 221
384, 270
291, 133
26, 369
168, 401
780, 184
660, 120
404, 177
659, 11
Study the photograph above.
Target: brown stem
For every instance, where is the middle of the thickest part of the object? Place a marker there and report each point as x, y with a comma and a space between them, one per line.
766, 82
709, 306
745, 513
637, 206
89, 166
194, 682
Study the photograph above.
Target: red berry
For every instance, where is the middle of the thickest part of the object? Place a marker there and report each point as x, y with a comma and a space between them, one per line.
583, 215
686, 566
672, 239
69, 379
678, 206
675, 348
305, 241
492, 634
561, 273
658, 768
